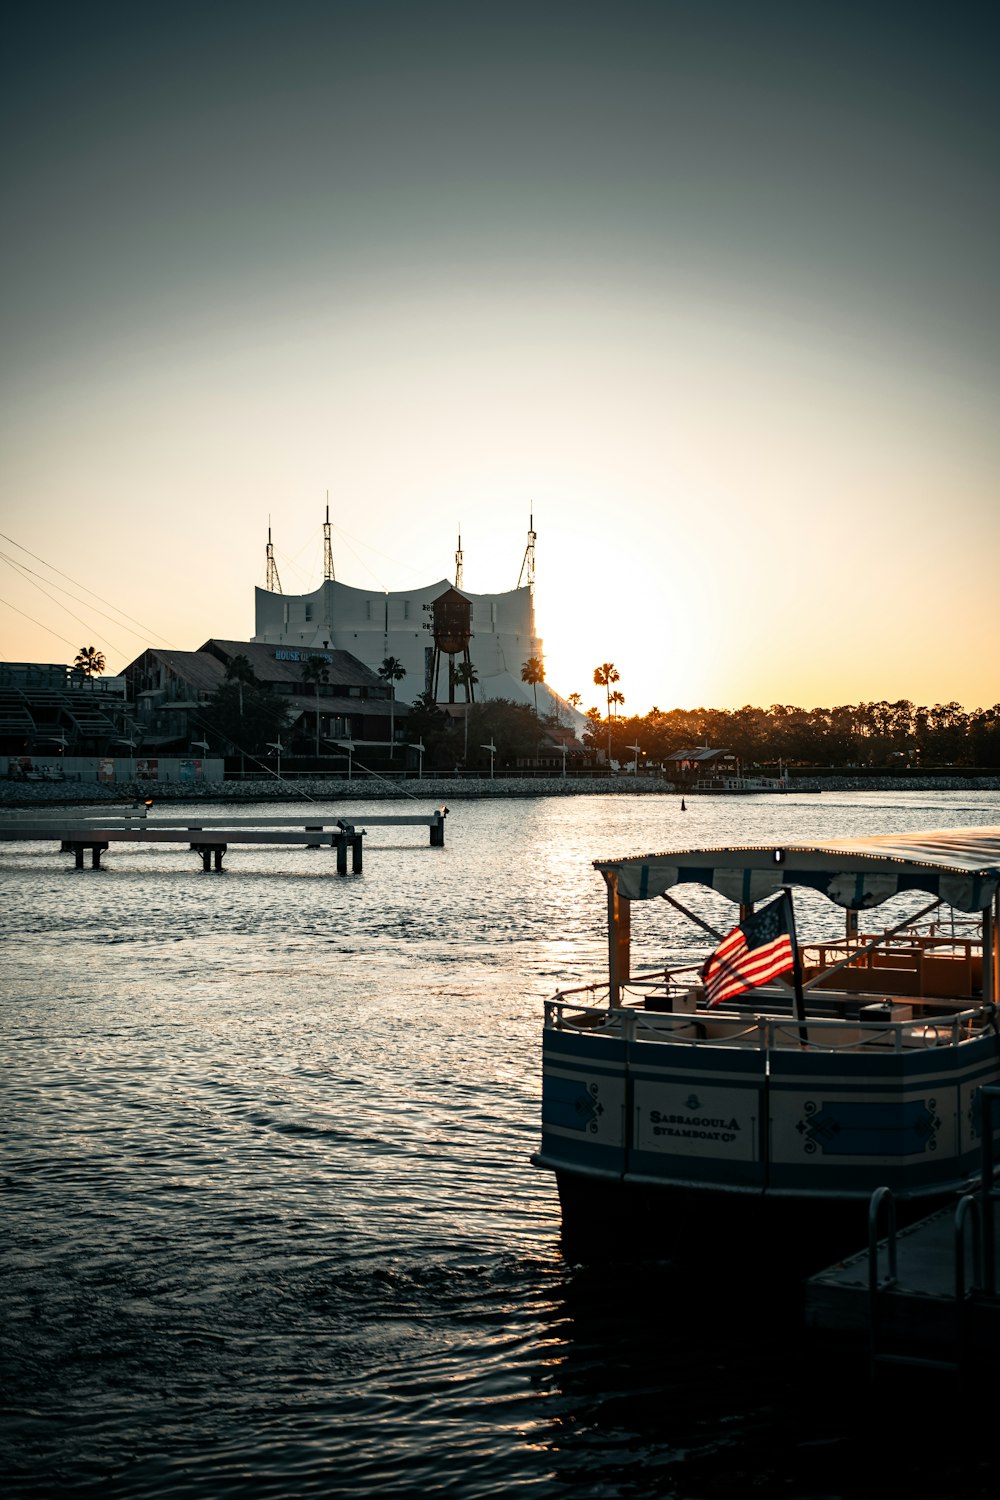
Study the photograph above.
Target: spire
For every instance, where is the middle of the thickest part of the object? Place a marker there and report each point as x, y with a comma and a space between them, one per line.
527, 574
458, 562
328, 574
273, 583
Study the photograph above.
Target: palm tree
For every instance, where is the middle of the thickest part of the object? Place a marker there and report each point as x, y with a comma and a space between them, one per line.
533, 671
315, 670
392, 671
617, 699
467, 677
604, 676
574, 700
240, 671
89, 661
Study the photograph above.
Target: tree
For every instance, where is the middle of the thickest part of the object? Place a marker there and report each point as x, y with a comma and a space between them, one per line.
315, 670
618, 699
512, 727
245, 715
239, 670
533, 671
467, 677
89, 661
574, 700
392, 671
604, 676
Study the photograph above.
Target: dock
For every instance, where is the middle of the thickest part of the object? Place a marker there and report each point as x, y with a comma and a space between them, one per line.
82, 832
925, 1295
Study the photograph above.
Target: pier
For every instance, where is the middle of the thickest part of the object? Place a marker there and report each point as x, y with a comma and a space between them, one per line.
926, 1296
93, 832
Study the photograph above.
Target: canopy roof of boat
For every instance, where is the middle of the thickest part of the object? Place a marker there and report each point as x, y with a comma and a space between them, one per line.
960, 865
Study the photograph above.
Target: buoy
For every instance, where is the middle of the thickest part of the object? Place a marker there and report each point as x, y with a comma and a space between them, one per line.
683, 808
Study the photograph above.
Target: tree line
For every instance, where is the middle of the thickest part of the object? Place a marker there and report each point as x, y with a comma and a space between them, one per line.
851, 734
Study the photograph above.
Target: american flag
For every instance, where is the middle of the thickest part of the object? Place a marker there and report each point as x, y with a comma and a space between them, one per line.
750, 955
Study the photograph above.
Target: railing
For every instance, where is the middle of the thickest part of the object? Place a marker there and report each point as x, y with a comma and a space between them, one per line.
566, 1012
974, 1237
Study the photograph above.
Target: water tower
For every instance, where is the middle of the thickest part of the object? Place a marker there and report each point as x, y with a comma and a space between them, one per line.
451, 624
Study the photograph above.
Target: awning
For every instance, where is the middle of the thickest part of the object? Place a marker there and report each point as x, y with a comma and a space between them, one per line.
960, 865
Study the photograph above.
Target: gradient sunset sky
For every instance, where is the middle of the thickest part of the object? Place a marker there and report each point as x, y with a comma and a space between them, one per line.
711, 288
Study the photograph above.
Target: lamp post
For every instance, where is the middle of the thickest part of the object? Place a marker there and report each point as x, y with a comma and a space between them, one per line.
564, 750
131, 755
493, 750
348, 747
277, 746
635, 762
420, 763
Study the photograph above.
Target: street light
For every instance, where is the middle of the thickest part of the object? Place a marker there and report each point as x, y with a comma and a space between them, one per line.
635, 762
201, 744
420, 764
564, 749
276, 745
131, 754
493, 750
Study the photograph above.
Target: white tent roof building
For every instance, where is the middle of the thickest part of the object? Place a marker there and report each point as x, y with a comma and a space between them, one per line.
372, 625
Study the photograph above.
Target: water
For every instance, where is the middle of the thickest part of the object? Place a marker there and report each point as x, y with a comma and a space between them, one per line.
270, 1227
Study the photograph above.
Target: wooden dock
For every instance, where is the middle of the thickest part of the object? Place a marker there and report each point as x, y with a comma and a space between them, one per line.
93, 831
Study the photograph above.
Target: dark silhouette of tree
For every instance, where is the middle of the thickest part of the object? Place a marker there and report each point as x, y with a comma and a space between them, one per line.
315, 670
246, 716
533, 671
89, 661
392, 671
604, 676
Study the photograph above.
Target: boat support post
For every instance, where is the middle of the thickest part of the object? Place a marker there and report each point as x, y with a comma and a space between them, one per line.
990, 953
619, 938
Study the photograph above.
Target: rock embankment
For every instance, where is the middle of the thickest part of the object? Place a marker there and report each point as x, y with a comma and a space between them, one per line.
432, 789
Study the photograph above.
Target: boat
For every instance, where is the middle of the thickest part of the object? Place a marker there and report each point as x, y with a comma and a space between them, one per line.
780, 1110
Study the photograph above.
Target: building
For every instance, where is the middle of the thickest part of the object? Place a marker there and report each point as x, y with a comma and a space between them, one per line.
172, 692
373, 626
49, 711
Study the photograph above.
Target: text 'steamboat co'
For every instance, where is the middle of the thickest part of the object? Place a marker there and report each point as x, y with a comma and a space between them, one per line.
782, 1106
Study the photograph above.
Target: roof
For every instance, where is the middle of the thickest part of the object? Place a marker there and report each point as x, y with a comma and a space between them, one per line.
699, 753
277, 664
197, 669
961, 865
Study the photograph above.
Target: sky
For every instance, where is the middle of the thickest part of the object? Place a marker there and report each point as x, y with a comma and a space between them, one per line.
708, 287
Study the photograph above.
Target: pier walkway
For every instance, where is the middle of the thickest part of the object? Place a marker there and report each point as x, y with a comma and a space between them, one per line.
929, 1294
79, 831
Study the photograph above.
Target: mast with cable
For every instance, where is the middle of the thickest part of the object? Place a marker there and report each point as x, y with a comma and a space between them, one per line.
527, 574
329, 576
273, 582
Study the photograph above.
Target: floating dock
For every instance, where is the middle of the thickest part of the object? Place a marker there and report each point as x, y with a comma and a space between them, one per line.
929, 1308
89, 831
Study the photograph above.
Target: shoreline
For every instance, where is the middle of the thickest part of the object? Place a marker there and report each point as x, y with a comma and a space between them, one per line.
15, 794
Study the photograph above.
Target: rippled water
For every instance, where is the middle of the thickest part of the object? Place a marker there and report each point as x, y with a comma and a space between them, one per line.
270, 1225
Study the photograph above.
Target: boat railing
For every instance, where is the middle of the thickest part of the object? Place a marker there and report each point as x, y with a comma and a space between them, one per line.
566, 1012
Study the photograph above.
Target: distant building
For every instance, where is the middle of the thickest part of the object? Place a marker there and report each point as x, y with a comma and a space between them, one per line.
172, 689
374, 625
701, 759
50, 711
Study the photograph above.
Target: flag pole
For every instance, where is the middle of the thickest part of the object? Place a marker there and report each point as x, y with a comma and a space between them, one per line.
800, 1003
